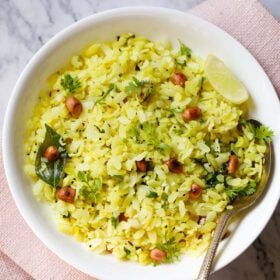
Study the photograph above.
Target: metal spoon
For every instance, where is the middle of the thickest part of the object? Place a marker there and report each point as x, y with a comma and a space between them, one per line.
239, 204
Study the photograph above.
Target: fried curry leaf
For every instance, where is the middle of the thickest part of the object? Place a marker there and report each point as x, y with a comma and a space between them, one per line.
51, 172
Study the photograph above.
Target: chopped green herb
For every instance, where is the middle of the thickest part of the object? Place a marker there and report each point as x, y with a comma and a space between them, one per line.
99, 129
117, 178
91, 188
146, 132
184, 50
152, 194
164, 198
211, 178
181, 63
101, 100
174, 110
231, 194
70, 84
250, 189
142, 89
134, 86
127, 252
163, 148
114, 221
134, 132
261, 132
132, 36
179, 131
170, 249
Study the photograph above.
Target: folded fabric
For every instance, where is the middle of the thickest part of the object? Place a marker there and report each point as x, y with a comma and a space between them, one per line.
246, 20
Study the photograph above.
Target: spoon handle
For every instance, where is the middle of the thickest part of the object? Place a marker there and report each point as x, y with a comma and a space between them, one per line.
209, 257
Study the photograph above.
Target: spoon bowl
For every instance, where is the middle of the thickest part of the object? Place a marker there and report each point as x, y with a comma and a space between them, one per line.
239, 204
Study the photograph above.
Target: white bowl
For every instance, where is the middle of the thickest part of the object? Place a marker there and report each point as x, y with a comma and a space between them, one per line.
155, 23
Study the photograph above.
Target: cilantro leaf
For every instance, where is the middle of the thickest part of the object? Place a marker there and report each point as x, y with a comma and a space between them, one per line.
117, 178
250, 189
70, 84
231, 194
91, 188
170, 249
152, 194
114, 221
131, 36
146, 133
101, 100
133, 87
211, 178
164, 198
263, 134
143, 89
184, 50
127, 252
174, 110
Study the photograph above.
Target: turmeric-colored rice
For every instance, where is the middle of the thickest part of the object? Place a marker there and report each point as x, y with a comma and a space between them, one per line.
116, 130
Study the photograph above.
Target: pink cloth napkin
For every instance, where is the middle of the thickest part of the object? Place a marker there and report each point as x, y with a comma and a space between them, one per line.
22, 255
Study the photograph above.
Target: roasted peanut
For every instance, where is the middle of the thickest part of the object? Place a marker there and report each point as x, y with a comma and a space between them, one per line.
192, 113
66, 194
51, 153
142, 165
232, 164
195, 191
74, 106
174, 166
122, 217
179, 79
157, 255
68, 140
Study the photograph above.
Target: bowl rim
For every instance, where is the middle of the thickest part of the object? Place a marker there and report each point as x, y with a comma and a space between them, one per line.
48, 47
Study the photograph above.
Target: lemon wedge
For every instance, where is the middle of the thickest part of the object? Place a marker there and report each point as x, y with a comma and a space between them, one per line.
224, 81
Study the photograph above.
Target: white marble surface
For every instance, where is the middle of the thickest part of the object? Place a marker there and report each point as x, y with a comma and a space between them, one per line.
25, 25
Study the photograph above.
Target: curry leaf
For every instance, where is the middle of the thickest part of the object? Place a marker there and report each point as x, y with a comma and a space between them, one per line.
51, 172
